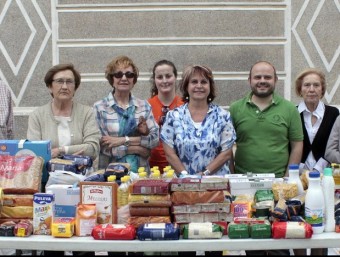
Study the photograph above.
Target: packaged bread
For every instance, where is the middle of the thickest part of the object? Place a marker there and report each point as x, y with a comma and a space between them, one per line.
149, 211
17, 200
23, 228
20, 174
136, 221
17, 212
192, 197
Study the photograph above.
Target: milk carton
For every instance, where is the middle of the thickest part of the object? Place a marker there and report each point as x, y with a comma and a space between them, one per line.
42, 213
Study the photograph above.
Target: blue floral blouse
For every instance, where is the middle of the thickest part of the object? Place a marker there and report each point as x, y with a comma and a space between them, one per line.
196, 146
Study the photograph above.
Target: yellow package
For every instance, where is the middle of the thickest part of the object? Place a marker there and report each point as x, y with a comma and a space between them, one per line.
63, 227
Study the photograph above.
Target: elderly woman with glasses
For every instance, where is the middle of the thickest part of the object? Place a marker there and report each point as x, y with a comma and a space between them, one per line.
70, 126
198, 136
129, 130
163, 98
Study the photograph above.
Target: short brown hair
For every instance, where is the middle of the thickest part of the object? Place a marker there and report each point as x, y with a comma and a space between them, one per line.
61, 67
188, 72
120, 61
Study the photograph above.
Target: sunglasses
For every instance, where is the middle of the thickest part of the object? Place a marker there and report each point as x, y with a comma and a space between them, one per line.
165, 110
119, 75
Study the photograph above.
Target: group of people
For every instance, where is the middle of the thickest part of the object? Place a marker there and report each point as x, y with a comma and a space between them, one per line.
260, 133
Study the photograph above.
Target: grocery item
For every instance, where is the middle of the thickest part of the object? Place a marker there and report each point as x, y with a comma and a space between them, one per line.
328, 188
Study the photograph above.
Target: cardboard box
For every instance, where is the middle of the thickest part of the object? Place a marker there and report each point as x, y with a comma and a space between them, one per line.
104, 195
25, 147
66, 200
249, 186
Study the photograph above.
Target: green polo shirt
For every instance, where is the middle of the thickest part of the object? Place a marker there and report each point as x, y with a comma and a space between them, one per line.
262, 144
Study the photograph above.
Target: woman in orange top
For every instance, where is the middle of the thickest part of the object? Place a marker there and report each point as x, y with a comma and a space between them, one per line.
163, 98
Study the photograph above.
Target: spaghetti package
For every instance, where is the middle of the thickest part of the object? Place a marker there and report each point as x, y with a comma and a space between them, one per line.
158, 231
114, 232
291, 229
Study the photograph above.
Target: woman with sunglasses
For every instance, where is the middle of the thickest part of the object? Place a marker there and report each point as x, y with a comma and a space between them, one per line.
129, 130
198, 136
163, 98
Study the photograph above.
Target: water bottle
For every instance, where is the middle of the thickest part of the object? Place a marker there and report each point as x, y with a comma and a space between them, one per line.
315, 203
294, 177
328, 188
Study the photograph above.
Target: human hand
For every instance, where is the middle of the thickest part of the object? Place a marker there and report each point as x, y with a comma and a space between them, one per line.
142, 127
109, 142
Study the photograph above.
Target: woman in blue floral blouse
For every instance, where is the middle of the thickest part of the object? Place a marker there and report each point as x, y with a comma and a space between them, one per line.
198, 136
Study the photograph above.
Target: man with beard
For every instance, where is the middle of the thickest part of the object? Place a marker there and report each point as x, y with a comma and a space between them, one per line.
268, 127
269, 133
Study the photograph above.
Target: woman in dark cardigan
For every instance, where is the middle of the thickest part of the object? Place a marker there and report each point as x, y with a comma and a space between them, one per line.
317, 121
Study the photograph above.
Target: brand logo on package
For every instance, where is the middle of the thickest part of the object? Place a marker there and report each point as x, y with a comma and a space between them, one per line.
96, 191
3, 148
10, 166
257, 185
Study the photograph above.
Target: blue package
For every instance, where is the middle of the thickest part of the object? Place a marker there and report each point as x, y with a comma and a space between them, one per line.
158, 231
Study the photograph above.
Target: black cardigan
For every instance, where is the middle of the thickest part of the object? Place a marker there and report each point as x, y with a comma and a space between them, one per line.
318, 147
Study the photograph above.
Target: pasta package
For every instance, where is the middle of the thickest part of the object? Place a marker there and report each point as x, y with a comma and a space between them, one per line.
158, 231
114, 232
291, 229
284, 191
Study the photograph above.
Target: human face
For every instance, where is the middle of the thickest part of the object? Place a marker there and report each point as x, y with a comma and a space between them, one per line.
262, 80
123, 84
311, 89
63, 85
198, 87
165, 79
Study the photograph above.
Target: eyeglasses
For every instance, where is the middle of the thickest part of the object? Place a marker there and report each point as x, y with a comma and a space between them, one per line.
119, 75
165, 110
61, 82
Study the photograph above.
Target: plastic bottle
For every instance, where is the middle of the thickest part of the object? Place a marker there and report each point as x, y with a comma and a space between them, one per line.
155, 174
143, 175
328, 188
294, 177
123, 192
111, 178
141, 169
315, 203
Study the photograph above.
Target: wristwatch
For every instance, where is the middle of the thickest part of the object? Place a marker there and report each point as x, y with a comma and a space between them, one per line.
206, 172
127, 141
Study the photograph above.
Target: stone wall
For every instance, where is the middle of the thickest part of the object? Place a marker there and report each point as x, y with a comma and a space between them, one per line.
228, 36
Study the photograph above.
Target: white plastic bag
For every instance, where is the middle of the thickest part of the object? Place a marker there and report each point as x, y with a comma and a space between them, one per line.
61, 177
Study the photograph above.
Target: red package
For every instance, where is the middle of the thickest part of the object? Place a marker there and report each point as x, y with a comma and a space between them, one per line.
114, 232
291, 229
24, 228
